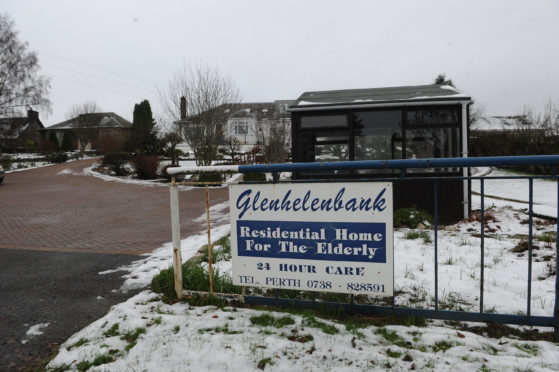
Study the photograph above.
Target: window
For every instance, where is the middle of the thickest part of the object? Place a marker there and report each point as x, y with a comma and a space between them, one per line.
240, 128
377, 136
324, 146
331, 148
325, 121
432, 143
432, 117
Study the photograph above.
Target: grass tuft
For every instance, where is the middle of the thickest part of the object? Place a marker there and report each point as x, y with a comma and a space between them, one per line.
266, 320
113, 331
132, 336
392, 337
527, 348
311, 321
411, 235
262, 363
393, 354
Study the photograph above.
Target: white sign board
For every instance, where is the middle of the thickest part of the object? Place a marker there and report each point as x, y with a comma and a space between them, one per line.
327, 237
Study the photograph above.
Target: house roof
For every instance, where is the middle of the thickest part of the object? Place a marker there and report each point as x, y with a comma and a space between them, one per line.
356, 97
94, 120
11, 128
259, 110
501, 123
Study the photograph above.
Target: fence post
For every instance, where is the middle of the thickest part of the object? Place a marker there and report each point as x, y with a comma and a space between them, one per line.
556, 310
530, 242
176, 232
436, 240
482, 242
209, 240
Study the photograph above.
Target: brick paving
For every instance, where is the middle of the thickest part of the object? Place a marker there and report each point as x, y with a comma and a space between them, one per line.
52, 209
58, 229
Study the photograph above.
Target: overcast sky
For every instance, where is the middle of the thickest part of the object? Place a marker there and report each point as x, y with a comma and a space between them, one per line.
503, 54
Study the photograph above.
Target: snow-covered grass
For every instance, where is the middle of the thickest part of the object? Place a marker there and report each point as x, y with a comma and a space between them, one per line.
146, 333
28, 164
156, 182
515, 193
180, 337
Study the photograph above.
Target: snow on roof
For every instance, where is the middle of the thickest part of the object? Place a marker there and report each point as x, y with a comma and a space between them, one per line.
389, 94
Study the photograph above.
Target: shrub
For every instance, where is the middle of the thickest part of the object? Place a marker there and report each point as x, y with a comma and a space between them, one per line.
254, 177
6, 161
54, 140
411, 217
57, 157
30, 146
146, 166
116, 162
67, 143
209, 177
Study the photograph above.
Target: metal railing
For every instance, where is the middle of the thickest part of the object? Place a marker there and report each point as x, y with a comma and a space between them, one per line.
402, 165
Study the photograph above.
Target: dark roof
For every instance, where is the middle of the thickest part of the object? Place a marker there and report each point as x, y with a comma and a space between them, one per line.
94, 120
260, 110
379, 95
11, 128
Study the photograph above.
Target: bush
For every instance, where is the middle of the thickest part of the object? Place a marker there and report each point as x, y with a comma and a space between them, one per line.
57, 157
67, 143
209, 177
146, 166
6, 161
116, 162
254, 177
54, 140
30, 146
411, 217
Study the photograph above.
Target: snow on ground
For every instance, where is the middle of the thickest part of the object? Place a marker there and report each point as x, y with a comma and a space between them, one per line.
459, 257
516, 191
144, 333
179, 337
157, 182
35, 330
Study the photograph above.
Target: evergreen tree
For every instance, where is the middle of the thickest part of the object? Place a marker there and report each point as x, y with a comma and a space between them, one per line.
144, 134
442, 80
67, 143
54, 140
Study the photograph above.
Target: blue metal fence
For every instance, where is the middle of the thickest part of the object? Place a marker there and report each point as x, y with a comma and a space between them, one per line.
402, 165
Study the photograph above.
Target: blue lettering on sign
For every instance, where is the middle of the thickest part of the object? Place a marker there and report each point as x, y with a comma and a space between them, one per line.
333, 241
247, 201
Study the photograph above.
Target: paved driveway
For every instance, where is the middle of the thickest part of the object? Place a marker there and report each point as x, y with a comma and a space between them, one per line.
58, 228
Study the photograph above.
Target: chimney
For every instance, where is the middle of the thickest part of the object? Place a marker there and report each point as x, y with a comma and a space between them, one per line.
32, 114
183, 108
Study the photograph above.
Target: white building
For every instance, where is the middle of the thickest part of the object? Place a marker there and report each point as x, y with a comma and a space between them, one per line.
249, 124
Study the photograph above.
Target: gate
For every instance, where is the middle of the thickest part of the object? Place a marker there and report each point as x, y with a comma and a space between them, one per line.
400, 166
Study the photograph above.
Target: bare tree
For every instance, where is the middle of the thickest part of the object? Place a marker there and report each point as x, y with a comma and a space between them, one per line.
232, 147
209, 97
84, 130
170, 141
20, 82
275, 137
